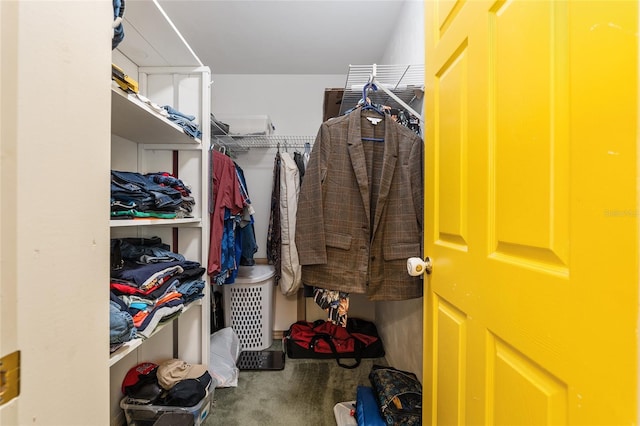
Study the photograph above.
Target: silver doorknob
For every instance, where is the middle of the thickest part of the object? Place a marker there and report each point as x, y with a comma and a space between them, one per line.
417, 266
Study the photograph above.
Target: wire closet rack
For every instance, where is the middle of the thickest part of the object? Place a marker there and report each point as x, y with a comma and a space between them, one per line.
242, 143
399, 86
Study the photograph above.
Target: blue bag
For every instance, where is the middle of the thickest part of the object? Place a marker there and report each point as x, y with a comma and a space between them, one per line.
367, 408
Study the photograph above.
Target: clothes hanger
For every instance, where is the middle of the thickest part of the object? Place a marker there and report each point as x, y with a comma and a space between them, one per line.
368, 105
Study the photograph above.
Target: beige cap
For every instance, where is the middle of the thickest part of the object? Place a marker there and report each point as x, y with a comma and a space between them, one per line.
174, 370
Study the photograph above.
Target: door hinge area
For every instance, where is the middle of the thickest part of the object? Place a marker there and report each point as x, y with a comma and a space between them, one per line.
9, 377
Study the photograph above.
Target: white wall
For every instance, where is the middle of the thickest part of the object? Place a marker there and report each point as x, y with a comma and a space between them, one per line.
294, 102
400, 323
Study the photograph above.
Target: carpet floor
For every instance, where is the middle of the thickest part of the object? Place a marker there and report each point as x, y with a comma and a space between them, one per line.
304, 393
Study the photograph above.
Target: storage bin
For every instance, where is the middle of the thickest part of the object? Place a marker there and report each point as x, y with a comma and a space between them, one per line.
344, 413
247, 124
248, 306
147, 415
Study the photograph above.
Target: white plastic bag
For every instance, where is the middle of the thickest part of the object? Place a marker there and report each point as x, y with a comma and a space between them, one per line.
225, 350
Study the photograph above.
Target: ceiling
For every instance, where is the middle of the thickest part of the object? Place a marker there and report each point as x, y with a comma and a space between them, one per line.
284, 37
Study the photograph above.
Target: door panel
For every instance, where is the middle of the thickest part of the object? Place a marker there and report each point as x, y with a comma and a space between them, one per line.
8, 194
531, 212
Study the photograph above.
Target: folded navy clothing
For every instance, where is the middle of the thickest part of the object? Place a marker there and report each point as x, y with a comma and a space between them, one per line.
138, 273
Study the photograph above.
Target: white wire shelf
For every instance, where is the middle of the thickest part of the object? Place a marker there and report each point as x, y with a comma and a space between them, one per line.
242, 143
405, 81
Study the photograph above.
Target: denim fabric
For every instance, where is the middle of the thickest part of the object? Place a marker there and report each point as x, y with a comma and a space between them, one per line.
191, 290
228, 261
121, 328
169, 180
248, 244
148, 254
237, 245
246, 232
127, 194
189, 127
118, 31
136, 186
122, 205
185, 121
173, 111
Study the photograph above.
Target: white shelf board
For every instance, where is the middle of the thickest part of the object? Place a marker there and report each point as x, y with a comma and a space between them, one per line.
134, 120
133, 344
124, 350
119, 223
150, 40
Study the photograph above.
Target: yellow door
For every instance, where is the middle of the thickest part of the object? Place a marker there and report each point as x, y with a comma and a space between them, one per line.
531, 212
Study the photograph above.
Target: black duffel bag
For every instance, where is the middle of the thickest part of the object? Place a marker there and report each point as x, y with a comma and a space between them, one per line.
323, 339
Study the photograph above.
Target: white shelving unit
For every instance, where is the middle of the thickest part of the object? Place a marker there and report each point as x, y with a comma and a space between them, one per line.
143, 141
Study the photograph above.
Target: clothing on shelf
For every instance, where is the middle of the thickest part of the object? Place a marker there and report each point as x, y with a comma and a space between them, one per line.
158, 195
149, 285
185, 121
360, 207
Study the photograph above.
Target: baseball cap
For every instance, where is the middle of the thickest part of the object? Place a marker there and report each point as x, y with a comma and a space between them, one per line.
140, 383
174, 370
185, 393
134, 374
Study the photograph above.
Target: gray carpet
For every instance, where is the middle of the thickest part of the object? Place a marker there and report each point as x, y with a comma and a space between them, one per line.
303, 394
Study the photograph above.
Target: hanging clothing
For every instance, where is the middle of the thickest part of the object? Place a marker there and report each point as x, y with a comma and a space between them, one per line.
290, 269
246, 232
335, 304
273, 232
360, 208
226, 198
300, 162
229, 250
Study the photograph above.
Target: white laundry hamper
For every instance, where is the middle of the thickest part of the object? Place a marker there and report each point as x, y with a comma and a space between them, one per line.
248, 306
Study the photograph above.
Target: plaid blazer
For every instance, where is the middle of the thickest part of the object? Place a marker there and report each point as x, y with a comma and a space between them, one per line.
360, 209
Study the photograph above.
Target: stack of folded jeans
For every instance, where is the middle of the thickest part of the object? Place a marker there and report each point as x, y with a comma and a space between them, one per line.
121, 327
166, 179
136, 195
